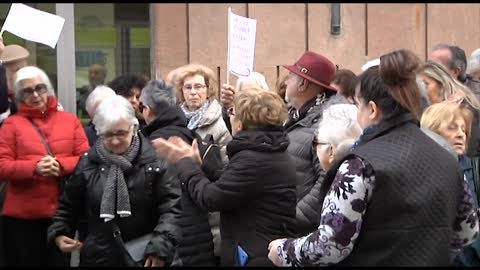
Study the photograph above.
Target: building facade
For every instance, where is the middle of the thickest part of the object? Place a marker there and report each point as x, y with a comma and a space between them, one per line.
155, 38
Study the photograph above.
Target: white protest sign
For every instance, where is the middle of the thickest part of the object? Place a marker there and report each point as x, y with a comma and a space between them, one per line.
241, 51
33, 24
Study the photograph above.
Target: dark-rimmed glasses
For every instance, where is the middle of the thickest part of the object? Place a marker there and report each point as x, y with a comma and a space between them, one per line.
119, 134
40, 88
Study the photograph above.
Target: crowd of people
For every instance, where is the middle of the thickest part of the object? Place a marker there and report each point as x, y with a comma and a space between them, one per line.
326, 167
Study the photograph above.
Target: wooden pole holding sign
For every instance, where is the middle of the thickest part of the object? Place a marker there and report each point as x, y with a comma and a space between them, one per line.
228, 45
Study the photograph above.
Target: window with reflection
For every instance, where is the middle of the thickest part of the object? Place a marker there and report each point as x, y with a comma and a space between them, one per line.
110, 40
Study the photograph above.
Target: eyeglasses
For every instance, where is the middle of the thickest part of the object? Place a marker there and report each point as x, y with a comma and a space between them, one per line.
231, 112
40, 88
197, 87
120, 134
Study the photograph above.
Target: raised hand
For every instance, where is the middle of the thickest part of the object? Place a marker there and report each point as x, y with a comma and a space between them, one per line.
173, 150
227, 94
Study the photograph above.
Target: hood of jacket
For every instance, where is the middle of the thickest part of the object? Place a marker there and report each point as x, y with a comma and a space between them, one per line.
272, 139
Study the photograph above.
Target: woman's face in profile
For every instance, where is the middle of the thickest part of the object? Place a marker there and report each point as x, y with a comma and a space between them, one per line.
434, 89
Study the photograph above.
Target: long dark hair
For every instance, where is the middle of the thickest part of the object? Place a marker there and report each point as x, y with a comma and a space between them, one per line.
392, 85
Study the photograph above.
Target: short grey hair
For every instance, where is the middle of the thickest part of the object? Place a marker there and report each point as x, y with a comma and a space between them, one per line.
458, 60
474, 63
27, 73
111, 110
339, 127
98, 94
157, 95
255, 77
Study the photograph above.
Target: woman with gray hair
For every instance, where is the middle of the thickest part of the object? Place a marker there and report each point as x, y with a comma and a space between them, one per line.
100, 93
333, 139
38, 147
165, 119
336, 133
119, 182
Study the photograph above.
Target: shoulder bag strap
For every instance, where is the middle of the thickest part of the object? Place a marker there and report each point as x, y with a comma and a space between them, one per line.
117, 235
41, 137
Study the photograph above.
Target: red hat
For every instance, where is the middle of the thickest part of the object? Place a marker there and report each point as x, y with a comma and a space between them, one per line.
315, 68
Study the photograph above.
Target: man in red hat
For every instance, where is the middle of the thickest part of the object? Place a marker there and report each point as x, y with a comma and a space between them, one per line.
307, 91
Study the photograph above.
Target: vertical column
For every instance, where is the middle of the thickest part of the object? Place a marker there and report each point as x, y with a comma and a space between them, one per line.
66, 59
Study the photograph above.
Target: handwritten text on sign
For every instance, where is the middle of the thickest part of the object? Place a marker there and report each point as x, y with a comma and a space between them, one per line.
242, 44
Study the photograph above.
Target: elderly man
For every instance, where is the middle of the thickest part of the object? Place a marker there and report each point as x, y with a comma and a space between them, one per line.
13, 58
96, 76
455, 60
308, 91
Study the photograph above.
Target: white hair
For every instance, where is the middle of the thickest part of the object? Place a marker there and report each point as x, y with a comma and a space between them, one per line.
255, 77
339, 127
98, 94
27, 73
474, 62
111, 110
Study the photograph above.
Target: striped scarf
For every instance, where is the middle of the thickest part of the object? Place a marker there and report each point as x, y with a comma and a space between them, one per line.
115, 191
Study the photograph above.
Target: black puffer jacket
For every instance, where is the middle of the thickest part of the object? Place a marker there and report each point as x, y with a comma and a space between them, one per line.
309, 172
155, 202
196, 246
255, 194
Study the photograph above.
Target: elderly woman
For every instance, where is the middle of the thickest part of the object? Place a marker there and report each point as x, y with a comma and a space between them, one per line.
334, 137
256, 193
38, 146
453, 122
200, 105
100, 93
119, 182
165, 119
336, 133
396, 194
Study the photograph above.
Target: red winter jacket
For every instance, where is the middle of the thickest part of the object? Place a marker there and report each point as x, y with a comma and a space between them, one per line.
28, 194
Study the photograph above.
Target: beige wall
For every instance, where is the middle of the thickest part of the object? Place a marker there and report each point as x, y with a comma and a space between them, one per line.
198, 33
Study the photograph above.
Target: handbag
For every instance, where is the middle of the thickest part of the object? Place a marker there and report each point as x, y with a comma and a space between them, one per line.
133, 251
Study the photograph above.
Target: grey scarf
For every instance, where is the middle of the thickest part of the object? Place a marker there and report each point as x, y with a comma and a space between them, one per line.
115, 191
195, 116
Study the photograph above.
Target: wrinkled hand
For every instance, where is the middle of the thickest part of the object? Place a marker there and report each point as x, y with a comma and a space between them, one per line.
273, 252
67, 244
227, 94
154, 261
48, 166
2, 46
175, 149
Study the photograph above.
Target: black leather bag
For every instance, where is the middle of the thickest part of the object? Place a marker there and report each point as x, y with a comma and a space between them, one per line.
133, 251
211, 156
